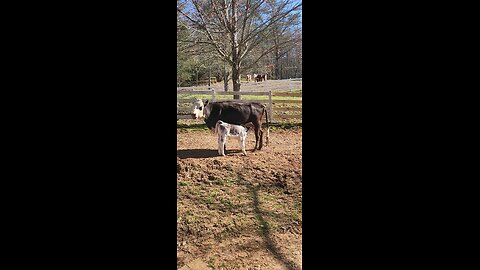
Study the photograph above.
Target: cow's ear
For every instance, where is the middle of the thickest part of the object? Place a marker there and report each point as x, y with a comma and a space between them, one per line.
205, 102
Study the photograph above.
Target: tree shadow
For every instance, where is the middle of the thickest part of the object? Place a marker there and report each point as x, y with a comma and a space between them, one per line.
253, 200
270, 245
196, 153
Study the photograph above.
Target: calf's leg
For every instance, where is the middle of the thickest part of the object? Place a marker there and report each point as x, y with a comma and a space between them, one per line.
221, 145
242, 144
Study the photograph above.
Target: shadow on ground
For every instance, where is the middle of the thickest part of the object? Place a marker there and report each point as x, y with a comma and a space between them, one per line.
265, 228
202, 126
207, 153
196, 153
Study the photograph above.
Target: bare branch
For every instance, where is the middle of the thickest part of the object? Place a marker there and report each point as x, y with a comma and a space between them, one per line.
220, 50
275, 18
269, 50
220, 15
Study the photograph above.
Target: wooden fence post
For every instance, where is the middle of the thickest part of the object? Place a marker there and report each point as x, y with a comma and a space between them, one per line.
270, 109
213, 95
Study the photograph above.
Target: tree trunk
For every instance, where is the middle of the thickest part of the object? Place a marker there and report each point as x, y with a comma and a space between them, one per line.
277, 69
209, 76
277, 60
225, 78
282, 70
236, 79
235, 53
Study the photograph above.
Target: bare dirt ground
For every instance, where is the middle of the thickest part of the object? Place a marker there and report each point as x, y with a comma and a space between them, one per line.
239, 212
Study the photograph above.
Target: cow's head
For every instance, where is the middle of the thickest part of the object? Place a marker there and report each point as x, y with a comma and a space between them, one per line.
211, 112
197, 108
207, 107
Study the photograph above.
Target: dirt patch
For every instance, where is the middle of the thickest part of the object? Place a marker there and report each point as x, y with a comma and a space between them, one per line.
239, 212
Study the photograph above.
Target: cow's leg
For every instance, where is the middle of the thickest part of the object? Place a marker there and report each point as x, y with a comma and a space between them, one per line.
257, 134
261, 140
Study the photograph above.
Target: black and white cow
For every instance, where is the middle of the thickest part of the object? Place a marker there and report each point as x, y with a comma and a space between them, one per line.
238, 113
197, 108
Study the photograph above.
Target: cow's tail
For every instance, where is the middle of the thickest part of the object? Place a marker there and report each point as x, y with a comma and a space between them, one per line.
268, 129
216, 128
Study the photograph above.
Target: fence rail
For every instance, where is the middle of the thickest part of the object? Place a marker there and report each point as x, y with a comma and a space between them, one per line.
280, 96
269, 85
278, 109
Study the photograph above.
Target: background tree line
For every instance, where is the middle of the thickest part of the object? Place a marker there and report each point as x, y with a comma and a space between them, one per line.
232, 38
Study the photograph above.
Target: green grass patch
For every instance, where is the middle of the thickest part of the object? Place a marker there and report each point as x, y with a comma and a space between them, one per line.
286, 125
182, 183
191, 125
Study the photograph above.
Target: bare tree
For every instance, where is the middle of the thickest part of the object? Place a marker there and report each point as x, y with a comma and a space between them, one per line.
233, 28
285, 39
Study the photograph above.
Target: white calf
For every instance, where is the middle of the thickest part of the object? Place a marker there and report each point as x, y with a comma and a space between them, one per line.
225, 130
